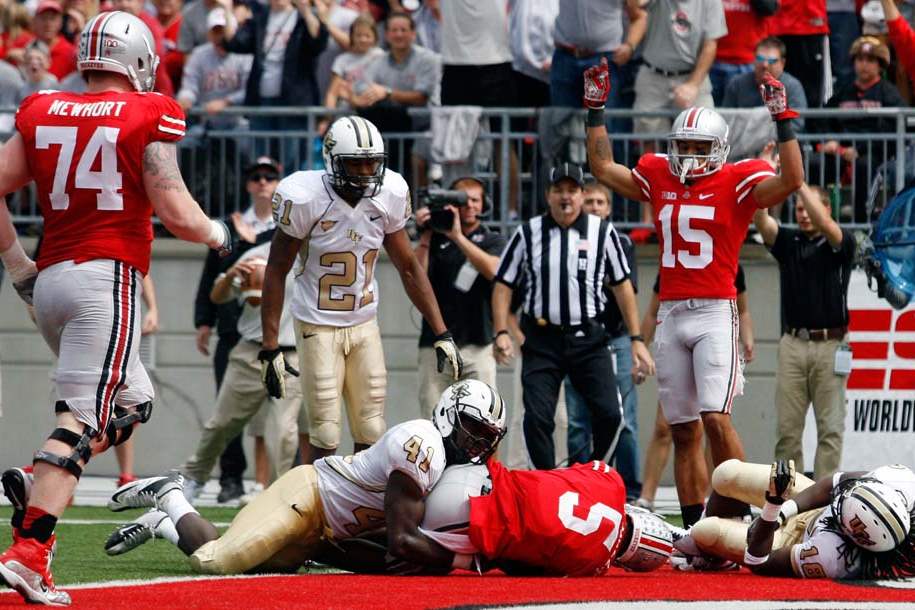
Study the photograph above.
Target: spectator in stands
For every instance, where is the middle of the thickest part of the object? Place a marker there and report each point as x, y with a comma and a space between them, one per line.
76, 14
901, 36
407, 75
746, 21
254, 226
743, 90
802, 25
428, 20
338, 20
350, 69
531, 37
10, 83
46, 26
869, 90
35, 69
285, 39
585, 31
168, 13
815, 261
597, 202
844, 29
15, 32
135, 7
193, 30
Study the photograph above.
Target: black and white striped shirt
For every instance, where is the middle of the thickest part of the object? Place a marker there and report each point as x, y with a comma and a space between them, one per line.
564, 269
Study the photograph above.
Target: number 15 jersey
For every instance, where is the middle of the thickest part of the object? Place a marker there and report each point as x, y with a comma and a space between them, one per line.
701, 224
85, 153
334, 275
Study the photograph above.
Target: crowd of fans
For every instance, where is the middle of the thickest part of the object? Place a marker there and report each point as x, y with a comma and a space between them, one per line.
379, 58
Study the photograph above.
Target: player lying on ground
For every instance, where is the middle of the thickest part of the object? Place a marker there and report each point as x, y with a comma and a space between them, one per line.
336, 498
566, 522
852, 525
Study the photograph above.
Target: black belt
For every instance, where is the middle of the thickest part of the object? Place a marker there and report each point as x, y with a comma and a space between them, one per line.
667, 73
818, 334
285, 348
546, 325
576, 52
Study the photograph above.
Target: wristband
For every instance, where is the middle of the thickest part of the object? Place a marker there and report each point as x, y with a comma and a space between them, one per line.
219, 234
462, 561
753, 560
501, 332
788, 510
784, 130
595, 117
770, 512
634, 338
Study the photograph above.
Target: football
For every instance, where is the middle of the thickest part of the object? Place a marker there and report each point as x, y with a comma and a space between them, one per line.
253, 283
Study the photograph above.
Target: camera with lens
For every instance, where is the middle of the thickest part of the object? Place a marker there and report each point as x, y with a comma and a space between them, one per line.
436, 199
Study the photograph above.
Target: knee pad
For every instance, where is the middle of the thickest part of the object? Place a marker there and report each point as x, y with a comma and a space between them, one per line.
81, 450
120, 427
324, 435
721, 537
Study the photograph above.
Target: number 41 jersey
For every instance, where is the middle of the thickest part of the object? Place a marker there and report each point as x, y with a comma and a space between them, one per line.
85, 153
701, 224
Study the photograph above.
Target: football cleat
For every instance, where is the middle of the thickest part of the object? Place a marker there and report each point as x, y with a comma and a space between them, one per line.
17, 486
26, 567
145, 493
131, 535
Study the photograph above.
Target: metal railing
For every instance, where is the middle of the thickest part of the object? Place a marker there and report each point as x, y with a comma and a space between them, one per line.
510, 158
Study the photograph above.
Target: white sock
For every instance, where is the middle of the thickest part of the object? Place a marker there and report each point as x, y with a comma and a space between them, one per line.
175, 506
166, 529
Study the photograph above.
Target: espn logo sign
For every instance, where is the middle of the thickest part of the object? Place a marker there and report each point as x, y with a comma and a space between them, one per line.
883, 349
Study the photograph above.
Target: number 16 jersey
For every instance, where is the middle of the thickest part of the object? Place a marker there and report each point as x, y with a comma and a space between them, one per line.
701, 224
85, 153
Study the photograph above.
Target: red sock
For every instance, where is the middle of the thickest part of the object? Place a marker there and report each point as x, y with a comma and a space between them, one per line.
38, 524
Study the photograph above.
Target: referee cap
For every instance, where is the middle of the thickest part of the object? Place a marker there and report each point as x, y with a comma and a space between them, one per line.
568, 171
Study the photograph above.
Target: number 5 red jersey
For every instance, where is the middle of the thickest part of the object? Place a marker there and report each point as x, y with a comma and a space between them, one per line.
569, 520
701, 224
85, 153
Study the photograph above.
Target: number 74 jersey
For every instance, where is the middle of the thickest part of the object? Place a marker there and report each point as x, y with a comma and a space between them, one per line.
334, 275
701, 224
85, 153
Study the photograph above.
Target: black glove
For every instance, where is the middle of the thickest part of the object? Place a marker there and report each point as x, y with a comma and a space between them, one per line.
273, 371
781, 480
26, 288
447, 351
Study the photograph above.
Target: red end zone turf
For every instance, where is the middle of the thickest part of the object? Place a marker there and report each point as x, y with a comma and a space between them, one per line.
405, 593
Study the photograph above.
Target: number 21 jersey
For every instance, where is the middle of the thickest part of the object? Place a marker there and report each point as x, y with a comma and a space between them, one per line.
701, 224
85, 153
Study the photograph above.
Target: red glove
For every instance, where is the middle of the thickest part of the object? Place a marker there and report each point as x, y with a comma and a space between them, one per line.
775, 99
597, 84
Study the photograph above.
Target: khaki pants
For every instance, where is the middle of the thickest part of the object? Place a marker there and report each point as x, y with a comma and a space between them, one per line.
241, 396
654, 91
806, 375
479, 363
342, 363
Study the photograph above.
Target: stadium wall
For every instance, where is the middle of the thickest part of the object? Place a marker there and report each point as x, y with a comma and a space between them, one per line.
186, 390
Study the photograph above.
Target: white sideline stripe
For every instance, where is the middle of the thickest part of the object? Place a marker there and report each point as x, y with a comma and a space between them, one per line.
108, 522
162, 580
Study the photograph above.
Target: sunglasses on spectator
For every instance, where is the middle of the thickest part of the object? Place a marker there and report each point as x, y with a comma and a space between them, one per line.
268, 176
766, 60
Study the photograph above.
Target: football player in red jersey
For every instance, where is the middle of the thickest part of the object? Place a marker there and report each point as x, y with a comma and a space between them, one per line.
103, 162
701, 207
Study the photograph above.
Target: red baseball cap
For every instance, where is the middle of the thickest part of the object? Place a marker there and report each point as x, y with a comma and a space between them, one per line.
49, 5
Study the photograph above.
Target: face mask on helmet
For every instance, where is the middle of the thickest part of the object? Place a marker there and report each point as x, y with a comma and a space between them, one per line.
697, 144
354, 157
650, 543
873, 515
470, 416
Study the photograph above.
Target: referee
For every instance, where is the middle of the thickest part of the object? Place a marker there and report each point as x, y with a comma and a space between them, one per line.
564, 258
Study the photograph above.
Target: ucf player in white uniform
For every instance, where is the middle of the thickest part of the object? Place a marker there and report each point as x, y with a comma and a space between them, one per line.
851, 525
336, 221
337, 498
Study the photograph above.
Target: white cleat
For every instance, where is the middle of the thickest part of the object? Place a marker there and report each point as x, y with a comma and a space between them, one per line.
144, 493
131, 535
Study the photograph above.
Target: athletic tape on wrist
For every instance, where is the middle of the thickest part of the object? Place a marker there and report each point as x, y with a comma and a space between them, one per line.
770, 512
788, 510
753, 560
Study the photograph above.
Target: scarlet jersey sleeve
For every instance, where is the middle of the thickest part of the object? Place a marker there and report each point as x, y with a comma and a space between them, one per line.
647, 170
167, 119
748, 174
25, 114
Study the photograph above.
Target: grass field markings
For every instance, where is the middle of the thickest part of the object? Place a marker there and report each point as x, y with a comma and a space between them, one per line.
161, 580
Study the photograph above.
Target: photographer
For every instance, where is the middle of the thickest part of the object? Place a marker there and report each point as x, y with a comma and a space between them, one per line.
460, 257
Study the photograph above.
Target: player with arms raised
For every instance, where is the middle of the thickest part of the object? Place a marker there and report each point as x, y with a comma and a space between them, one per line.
103, 162
702, 207
336, 221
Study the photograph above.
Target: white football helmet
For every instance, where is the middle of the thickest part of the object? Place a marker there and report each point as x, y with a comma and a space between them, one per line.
703, 125
470, 416
119, 42
650, 544
354, 138
447, 517
873, 515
